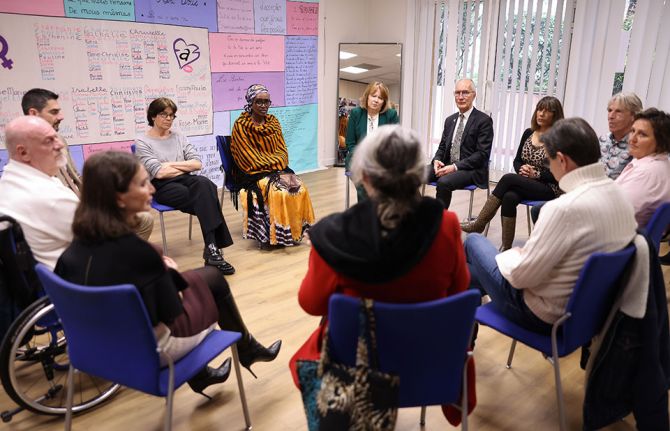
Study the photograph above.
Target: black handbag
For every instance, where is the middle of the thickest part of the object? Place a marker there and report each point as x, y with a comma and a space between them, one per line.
340, 397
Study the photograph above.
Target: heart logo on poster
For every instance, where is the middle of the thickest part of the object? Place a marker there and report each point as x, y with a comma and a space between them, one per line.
186, 53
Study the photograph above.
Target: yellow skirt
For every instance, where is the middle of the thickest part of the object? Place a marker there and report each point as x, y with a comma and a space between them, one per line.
284, 217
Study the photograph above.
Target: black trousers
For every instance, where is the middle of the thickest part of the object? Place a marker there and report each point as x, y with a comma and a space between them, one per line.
446, 184
196, 195
514, 188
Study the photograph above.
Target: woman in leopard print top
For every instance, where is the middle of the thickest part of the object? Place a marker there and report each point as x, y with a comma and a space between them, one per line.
532, 180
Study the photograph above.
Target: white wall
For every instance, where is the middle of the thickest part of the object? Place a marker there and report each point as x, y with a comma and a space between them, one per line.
354, 90
342, 21
351, 90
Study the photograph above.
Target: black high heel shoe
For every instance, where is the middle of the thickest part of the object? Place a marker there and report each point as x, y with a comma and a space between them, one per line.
252, 351
209, 376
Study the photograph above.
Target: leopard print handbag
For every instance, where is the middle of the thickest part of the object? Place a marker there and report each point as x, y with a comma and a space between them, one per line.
340, 397
361, 397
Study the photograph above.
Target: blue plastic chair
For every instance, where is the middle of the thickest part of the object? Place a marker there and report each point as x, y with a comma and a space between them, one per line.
529, 205
165, 208
227, 163
657, 224
424, 343
109, 335
587, 309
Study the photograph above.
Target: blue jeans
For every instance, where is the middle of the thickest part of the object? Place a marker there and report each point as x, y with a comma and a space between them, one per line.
484, 275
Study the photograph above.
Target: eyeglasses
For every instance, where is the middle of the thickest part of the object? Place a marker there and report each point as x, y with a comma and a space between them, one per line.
165, 115
263, 102
463, 93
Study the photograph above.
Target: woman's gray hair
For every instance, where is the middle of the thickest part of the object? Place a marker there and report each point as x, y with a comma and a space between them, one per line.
391, 162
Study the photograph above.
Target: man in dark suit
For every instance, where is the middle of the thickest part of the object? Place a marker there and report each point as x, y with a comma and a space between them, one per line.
463, 155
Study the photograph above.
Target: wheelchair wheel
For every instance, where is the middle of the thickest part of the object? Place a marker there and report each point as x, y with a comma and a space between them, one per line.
34, 365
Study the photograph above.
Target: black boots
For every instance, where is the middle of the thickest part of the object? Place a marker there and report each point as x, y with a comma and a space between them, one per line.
209, 376
213, 257
250, 350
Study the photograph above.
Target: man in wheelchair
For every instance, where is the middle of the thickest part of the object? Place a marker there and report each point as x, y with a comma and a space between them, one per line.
30, 191
33, 359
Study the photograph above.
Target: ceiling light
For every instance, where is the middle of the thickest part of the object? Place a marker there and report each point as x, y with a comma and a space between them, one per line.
353, 69
344, 55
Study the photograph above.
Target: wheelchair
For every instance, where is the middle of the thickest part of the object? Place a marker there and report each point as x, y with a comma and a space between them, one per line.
33, 353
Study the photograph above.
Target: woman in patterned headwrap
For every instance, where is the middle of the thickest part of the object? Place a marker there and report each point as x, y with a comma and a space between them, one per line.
277, 207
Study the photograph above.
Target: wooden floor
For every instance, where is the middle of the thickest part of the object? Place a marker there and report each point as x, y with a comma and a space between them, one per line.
265, 286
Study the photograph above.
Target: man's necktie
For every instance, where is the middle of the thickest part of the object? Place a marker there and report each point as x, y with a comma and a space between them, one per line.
456, 146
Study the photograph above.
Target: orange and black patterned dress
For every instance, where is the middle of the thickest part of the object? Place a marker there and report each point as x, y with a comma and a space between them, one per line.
280, 216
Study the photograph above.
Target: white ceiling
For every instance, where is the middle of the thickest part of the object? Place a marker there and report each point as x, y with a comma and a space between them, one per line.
383, 55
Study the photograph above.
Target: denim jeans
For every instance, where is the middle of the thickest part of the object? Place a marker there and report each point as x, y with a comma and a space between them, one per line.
480, 255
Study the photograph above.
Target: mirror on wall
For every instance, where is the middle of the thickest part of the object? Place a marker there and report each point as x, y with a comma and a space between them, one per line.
360, 64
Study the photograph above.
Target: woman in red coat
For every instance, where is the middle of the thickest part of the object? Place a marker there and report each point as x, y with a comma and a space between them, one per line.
395, 247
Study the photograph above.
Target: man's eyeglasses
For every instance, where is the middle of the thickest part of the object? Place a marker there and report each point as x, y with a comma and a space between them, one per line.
463, 93
263, 102
165, 115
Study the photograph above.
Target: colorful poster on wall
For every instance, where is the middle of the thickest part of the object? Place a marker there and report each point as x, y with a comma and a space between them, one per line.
301, 70
4, 158
270, 16
209, 155
302, 19
119, 10
246, 53
236, 16
41, 7
89, 150
298, 124
230, 88
186, 13
106, 73
108, 59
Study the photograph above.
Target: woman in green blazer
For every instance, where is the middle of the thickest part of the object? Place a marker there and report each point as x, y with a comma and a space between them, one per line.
373, 112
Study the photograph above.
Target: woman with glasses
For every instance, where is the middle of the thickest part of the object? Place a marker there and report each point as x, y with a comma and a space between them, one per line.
532, 180
276, 204
374, 111
172, 163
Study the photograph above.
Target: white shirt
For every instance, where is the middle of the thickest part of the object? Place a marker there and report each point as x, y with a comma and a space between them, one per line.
42, 205
373, 123
592, 216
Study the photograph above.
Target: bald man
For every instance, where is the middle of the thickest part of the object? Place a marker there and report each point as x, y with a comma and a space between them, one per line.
44, 104
30, 191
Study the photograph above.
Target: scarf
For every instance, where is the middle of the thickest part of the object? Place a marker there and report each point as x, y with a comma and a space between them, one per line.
355, 244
